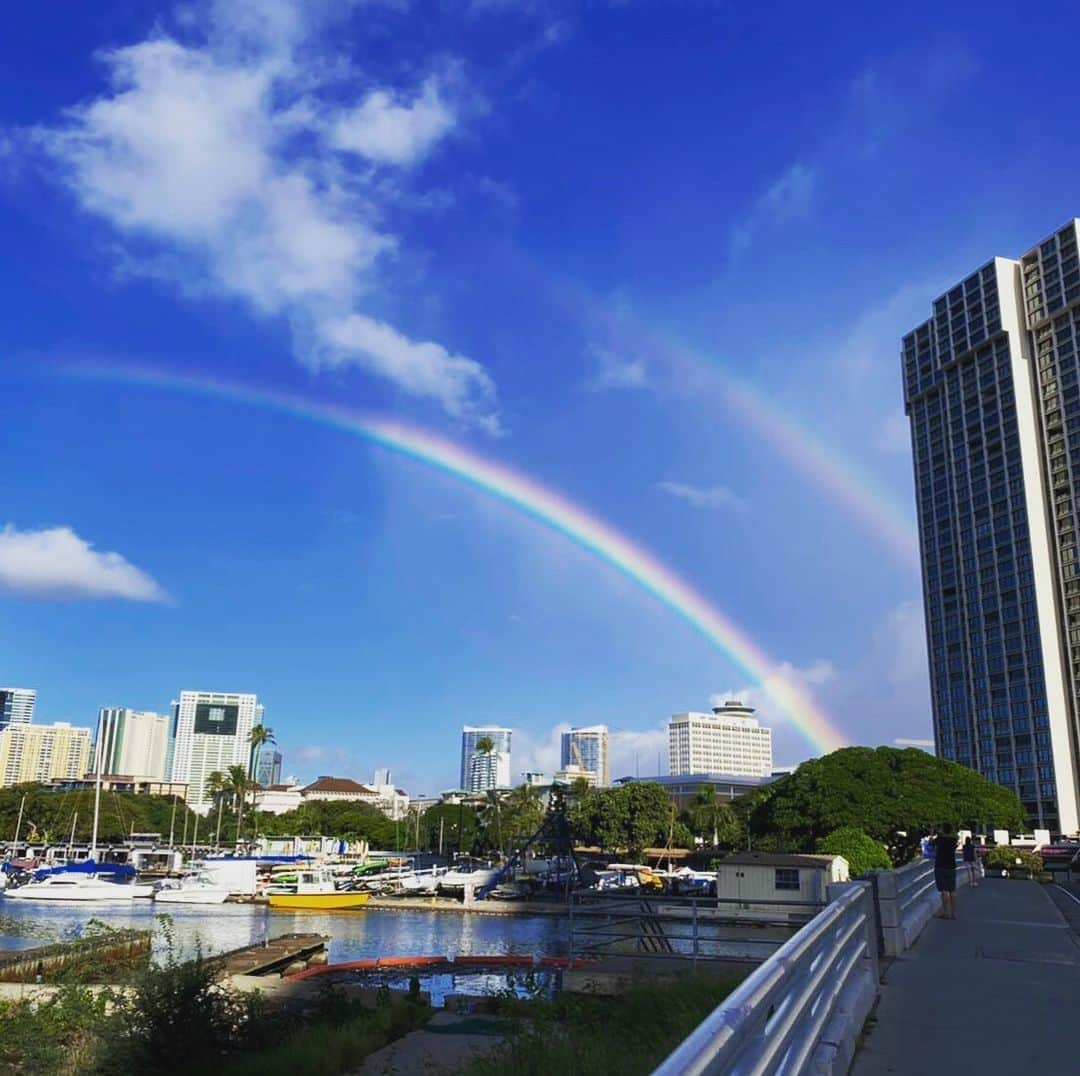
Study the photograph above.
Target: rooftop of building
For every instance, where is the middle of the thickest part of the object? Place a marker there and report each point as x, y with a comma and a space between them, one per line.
338, 784
702, 779
777, 859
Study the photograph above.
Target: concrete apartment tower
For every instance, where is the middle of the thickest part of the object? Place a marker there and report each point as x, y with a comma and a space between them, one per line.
587, 748
728, 741
57, 752
479, 771
16, 706
211, 731
132, 742
992, 388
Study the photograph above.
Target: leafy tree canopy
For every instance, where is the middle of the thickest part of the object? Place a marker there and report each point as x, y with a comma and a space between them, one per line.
862, 852
894, 795
633, 816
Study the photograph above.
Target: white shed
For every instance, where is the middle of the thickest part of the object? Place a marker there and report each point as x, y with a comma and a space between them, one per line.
750, 884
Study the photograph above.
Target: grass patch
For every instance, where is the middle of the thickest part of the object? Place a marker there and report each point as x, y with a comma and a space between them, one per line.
624, 1035
336, 1039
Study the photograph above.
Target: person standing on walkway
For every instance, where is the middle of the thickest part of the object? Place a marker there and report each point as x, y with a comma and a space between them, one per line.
970, 864
945, 869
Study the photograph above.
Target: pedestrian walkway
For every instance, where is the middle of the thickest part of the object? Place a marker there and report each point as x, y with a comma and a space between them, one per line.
994, 991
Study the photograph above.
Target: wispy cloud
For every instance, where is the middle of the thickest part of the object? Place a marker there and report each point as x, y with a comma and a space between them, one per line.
613, 371
703, 496
227, 160
56, 563
925, 745
789, 196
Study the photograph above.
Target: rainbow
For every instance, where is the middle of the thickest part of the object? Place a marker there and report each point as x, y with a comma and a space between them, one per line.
806, 452
533, 500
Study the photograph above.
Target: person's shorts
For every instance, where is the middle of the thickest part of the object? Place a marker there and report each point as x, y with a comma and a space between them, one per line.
945, 879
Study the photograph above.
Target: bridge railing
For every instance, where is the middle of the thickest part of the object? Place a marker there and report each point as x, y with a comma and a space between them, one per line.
803, 1008
907, 899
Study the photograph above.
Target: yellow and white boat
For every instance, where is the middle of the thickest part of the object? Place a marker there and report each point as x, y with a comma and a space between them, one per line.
314, 890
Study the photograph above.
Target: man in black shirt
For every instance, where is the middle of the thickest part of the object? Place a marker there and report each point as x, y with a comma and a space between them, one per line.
945, 869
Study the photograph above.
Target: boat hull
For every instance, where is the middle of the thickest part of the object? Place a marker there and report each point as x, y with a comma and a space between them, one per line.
318, 901
191, 896
107, 893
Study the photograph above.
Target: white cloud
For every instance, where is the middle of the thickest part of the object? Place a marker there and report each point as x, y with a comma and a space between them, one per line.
57, 563
227, 166
904, 741
617, 372
384, 129
703, 496
424, 368
787, 197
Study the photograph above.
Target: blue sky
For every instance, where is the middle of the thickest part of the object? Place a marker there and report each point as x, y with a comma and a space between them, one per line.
556, 233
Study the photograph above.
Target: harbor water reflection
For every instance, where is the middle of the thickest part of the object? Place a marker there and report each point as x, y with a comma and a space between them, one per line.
355, 935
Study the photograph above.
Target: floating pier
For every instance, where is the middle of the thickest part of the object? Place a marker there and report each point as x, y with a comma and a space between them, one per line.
285, 953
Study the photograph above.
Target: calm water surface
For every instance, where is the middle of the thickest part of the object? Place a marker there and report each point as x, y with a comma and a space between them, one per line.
354, 935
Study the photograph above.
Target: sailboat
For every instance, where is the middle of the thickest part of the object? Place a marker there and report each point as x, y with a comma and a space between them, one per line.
88, 881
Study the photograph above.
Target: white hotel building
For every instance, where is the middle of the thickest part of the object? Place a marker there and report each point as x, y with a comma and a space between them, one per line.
729, 740
134, 743
211, 731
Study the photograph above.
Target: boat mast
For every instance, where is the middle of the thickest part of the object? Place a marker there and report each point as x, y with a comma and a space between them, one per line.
97, 790
71, 839
18, 826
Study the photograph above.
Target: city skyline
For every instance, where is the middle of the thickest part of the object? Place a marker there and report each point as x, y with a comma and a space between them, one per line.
415, 380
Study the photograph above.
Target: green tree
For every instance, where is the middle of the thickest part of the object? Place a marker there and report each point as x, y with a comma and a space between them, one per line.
237, 785
260, 735
458, 823
862, 852
713, 819
629, 817
522, 813
895, 796
216, 784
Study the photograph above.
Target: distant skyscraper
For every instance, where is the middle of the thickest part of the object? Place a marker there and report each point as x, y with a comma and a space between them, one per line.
211, 731
16, 706
992, 388
482, 771
132, 742
587, 748
729, 740
43, 753
268, 768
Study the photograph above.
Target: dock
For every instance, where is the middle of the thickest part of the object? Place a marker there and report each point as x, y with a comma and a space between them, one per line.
458, 907
291, 952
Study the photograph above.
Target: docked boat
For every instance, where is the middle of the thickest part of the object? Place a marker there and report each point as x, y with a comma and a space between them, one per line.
80, 885
193, 889
314, 890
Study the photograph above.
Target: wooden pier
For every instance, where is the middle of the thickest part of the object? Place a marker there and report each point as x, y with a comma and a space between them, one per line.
275, 955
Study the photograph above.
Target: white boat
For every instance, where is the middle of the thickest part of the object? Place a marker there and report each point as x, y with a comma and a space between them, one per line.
194, 889
74, 887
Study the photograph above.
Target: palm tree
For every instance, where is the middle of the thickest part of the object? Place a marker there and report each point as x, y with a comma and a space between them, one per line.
216, 785
710, 815
260, 734
238, 785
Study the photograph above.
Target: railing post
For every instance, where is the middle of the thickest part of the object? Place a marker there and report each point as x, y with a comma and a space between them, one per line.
694, 907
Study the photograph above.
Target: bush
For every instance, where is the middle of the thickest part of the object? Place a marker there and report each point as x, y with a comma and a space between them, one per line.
1014, 860
861, 851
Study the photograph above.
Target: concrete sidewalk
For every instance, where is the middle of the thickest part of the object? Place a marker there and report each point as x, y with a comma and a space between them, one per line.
994, 991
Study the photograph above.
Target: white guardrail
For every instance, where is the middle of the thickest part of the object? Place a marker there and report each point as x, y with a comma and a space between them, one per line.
803, 1008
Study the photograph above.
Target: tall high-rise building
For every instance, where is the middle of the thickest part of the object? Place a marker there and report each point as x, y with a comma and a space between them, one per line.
992, 388
587, 749
16, 706
42, 753
480, 770
132, 742
268, 767
729, 740
210, 731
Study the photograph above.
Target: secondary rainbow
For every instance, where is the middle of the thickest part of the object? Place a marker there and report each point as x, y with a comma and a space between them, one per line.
530, 498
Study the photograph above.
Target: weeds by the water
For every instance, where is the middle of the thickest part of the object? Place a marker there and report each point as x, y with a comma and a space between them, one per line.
336, 1037
624, 1035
